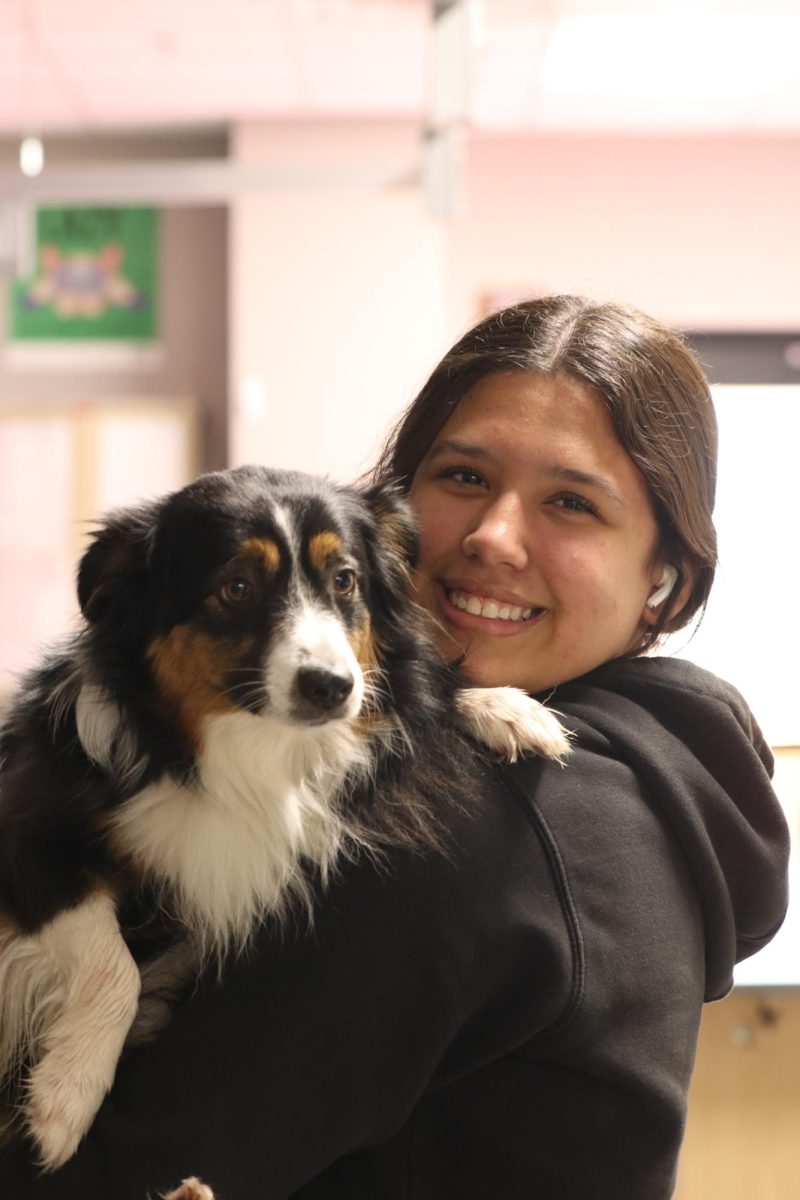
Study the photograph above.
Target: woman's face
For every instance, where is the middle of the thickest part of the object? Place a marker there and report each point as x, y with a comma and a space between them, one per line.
537, 533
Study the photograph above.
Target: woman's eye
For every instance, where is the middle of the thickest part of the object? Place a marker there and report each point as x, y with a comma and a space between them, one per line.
464, 475
571, 502
344, 582
236, 591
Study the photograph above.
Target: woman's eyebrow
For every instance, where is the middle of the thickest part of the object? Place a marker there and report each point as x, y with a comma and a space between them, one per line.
562, 473
450, 446
585, 479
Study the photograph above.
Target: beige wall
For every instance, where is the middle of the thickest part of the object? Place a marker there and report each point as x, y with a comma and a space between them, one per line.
699, 231
343, 298
337, 294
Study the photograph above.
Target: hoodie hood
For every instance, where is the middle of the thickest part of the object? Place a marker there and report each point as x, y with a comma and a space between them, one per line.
700, 756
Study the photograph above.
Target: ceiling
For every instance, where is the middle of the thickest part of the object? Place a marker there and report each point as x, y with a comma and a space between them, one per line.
88, 66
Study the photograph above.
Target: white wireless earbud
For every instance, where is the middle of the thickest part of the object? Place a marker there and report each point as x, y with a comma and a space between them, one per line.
664, 586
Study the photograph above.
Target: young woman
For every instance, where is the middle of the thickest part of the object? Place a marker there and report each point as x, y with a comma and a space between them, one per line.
517, 1017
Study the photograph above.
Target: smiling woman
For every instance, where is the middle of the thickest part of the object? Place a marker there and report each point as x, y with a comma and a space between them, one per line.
590, 423
518, 1014
539, 545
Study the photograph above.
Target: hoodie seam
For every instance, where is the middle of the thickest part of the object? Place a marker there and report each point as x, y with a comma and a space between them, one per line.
567, 904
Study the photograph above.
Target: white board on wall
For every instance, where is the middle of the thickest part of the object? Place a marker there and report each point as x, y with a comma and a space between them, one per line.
749, 634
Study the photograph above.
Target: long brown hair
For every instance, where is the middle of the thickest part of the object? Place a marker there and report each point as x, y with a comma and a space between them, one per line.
656, 393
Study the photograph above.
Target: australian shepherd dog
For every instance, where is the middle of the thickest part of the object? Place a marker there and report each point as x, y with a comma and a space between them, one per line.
251, 694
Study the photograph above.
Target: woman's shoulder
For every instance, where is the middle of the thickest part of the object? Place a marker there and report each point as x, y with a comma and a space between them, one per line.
657, 674
670, 774
665, 697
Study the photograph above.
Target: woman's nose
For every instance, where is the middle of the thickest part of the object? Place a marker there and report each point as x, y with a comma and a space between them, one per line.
499, 537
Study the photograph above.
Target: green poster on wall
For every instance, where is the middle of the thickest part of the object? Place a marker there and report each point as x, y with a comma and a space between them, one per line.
95, 277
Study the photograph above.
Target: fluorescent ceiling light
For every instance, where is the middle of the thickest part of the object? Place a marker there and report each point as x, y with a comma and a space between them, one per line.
31, 156
678, 56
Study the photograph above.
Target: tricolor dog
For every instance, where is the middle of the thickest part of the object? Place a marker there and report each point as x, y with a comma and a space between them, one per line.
252, 693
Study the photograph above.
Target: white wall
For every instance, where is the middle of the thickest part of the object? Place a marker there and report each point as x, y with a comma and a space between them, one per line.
342, 298
698, 231
337, 295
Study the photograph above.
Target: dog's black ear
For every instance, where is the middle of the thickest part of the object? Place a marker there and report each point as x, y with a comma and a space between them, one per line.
396, 524
113, 570
390, 542
406, 653
397, 529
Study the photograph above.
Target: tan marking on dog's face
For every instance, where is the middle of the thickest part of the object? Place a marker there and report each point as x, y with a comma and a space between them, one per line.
189, 667
364, 646
322, 547
263, 549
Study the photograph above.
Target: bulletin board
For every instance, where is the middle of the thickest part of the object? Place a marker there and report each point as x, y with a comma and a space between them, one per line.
95, 277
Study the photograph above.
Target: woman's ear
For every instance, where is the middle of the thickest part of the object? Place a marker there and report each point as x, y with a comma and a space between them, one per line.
671, 588
663, 586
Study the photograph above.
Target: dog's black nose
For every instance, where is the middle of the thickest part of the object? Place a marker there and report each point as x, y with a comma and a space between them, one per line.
326, 690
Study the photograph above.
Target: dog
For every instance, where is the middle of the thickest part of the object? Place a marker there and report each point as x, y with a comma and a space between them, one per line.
244, 703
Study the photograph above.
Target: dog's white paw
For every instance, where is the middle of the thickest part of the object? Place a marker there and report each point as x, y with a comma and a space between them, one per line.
60, 1108
190, 1189
509, 721
57, 1132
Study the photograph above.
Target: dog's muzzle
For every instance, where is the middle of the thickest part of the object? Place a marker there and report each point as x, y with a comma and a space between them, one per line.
312, 675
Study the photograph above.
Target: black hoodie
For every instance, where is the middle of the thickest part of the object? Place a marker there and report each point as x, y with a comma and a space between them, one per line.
514, 1019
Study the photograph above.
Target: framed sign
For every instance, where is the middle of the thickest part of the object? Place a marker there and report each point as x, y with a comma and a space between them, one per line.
95, 278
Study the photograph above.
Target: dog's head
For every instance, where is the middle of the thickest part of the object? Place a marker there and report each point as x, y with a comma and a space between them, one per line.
252, 589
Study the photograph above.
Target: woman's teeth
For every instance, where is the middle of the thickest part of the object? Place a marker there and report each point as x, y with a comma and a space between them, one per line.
488, 608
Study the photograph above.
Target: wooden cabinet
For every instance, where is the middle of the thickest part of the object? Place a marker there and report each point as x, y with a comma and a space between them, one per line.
743, 1136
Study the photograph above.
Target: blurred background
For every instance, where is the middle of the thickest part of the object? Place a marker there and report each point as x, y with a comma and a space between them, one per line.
245, 230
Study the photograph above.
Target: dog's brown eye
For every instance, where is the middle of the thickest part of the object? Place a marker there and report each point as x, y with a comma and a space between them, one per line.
235, 591
344, 582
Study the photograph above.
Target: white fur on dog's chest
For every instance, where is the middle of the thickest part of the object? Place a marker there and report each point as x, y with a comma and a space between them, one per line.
229, 848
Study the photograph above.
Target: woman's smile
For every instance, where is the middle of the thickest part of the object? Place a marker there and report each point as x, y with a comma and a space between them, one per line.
485, 609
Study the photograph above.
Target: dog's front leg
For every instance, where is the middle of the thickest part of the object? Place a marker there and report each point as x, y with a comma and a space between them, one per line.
510, 721
164, 980
81, 1047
